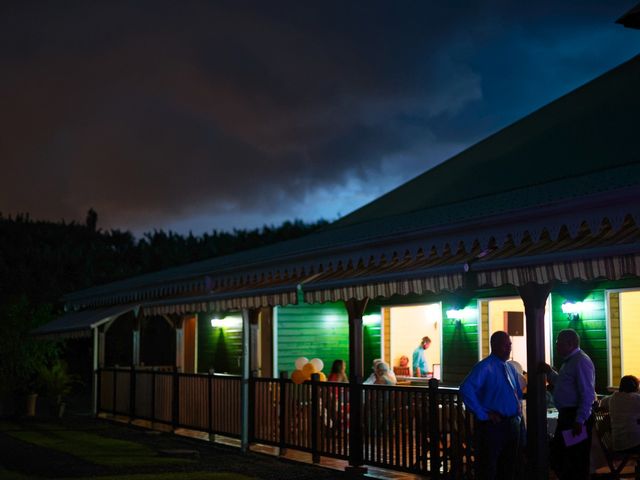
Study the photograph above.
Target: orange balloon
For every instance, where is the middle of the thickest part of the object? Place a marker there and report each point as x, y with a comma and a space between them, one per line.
308, 369
323, 377
298, 377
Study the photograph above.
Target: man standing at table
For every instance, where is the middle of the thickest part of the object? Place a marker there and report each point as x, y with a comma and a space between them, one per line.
573, 395
420, 365
492, 392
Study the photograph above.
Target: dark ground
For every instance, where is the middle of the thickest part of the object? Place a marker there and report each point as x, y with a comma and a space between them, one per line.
33, 460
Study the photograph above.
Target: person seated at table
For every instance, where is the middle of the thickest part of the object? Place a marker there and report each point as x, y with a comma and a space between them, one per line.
373, 377
624, 412
403, 368
338, 372
383, 375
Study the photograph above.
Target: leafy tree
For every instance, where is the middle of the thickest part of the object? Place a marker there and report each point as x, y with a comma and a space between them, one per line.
21, 356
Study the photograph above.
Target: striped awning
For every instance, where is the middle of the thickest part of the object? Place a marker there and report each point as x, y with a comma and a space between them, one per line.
614, 267
268, 293
435, 284
607, 254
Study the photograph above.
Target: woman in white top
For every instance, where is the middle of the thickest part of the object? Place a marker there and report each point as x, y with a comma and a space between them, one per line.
379, 372
383, 375
624, 412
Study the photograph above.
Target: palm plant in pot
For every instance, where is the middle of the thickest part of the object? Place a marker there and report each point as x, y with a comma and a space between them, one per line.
56, 383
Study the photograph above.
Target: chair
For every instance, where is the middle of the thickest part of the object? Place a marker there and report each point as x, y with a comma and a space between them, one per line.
402, 371
616, 461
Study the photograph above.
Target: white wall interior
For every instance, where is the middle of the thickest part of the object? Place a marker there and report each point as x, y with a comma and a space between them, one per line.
409, 325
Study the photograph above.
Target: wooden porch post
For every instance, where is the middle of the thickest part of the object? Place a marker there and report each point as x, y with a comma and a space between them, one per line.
535, 298
355, 309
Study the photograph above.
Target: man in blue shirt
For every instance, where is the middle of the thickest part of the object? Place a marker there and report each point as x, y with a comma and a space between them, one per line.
420, 365
492, 392
573, 395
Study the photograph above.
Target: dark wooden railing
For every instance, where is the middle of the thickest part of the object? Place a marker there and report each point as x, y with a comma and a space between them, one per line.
415, 429
208, 403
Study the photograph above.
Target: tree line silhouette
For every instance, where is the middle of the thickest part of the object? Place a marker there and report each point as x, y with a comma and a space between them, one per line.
40, 261
43, 260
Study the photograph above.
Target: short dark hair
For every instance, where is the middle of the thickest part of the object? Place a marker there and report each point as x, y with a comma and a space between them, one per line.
570, 336
628, 384
426, 340
497, 337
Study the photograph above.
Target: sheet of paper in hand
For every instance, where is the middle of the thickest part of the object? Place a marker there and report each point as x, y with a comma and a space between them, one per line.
570, 439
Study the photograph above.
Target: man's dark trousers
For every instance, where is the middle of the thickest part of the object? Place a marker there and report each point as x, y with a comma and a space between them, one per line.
570, 463
498, 445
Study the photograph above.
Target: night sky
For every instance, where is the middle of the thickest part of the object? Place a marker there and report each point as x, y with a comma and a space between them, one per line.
190, 115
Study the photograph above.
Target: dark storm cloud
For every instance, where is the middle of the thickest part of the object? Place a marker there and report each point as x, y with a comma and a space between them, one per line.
154, 111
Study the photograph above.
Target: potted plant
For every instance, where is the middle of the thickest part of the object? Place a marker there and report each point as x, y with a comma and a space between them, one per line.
56, 383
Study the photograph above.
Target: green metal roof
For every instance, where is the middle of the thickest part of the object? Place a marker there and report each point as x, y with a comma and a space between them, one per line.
591, 129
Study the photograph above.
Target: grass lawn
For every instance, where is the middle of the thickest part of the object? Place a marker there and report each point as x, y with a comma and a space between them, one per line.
177, 476
88, 446
9, 475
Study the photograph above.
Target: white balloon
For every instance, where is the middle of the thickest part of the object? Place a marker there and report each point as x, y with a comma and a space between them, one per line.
301, 362
319, 364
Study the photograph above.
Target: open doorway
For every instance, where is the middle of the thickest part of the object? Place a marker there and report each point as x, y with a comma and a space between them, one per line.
407, 327
629, 338
507, 314
262, 341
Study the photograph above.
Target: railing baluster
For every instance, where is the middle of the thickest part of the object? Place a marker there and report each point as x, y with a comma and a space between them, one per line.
315, 418
282, 383
434, 431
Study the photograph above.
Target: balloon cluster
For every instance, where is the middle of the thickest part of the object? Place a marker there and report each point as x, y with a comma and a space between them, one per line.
305, 368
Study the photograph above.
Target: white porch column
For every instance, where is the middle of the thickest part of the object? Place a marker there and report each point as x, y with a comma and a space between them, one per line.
135, 352
246, 371
94, 391
179, 345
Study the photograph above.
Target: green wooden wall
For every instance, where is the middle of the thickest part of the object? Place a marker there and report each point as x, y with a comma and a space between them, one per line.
592, 328
459, 344
220, 348
372, 337
322, 331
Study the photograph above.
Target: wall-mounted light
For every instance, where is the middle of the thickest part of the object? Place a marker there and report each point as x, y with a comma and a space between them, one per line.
460, 315
372, 319
575, 309
220, 321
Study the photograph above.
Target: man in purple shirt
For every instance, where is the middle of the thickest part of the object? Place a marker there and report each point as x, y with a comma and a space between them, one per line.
492, 392
573, 395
